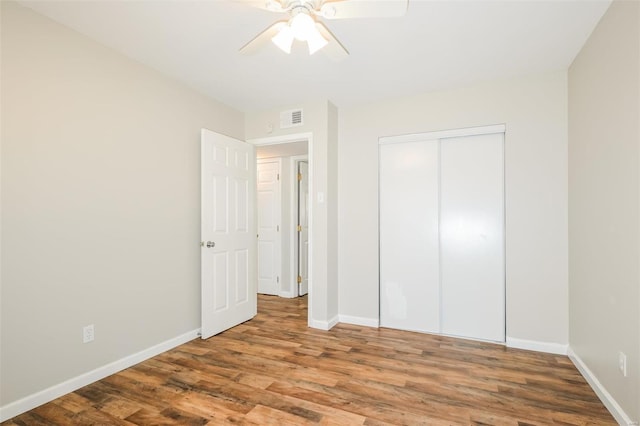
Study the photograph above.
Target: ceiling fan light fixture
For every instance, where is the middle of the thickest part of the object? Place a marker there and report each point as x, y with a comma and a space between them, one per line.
304, 22
284, 39
301, 27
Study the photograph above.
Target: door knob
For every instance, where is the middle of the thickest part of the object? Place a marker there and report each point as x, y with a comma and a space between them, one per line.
210, 244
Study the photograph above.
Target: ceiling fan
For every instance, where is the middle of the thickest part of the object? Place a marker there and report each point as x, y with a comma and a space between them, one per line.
303, 24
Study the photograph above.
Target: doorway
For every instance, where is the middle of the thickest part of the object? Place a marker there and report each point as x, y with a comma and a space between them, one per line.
288, 161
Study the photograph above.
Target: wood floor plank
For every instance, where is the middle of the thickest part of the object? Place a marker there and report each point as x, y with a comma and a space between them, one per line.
167, 416
269, 416
211, 407
73, 402
120, 408
274, 370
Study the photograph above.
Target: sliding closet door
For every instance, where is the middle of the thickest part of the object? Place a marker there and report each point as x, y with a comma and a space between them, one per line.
409, 271
472, 237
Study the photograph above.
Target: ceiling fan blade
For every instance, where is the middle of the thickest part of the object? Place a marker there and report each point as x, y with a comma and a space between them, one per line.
334, 49
261, 39
271, 5
345, 9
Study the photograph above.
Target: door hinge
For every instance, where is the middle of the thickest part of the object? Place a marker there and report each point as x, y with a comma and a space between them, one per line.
277, 228
299, 176
299, 228
278, 176
299, 279
278, 280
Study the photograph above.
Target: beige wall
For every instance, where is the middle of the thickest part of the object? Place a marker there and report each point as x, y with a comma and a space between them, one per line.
604, 214
534, 110
100, 203
320, 120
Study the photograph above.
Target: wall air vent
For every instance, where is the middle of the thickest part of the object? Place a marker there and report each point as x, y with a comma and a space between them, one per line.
291, 118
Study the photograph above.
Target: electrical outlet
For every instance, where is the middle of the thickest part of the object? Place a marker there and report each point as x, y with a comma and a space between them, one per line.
88, 334
622, 363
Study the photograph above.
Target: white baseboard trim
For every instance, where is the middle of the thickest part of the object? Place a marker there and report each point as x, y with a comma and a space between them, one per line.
333, 321
367, 322
324, 325
35, 400
616, 411
287, 294
533, 345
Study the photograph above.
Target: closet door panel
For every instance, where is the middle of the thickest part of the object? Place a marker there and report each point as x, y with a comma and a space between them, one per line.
472, 237
409, 258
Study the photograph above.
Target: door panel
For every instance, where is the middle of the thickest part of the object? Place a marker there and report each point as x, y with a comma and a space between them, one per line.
409, 255
219, 186
472, 237
220, 263
269, 217
242, 206
228, 223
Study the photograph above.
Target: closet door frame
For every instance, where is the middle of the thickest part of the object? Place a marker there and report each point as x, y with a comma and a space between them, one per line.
436, 137
443, 134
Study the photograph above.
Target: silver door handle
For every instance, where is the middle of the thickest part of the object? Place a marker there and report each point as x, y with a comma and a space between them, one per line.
210, 244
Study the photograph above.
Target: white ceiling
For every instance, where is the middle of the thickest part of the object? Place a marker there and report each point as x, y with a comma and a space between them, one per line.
437, 45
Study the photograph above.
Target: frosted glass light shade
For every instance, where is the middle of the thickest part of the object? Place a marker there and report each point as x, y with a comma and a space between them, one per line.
284, 39
302, 26
316, 42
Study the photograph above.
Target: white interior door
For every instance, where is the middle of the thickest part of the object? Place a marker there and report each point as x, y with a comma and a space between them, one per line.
269, 218
472, 237
228, 253
409, 256
303, 228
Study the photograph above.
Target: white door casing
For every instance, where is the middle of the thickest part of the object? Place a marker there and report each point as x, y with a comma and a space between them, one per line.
228, 233
303, 228
269, 219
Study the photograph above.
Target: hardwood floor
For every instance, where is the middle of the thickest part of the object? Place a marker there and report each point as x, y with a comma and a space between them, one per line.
273, 370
